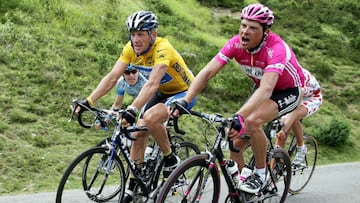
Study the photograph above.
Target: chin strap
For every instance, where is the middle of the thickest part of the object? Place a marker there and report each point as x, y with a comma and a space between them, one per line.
262, 43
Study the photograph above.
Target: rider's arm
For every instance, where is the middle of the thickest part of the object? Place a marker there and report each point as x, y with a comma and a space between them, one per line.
108, 82
261, 94
151, 86
118, 102
202, 78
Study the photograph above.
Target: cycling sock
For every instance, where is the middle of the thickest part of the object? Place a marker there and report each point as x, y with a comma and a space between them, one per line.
302, 147
168, 154
170, 159
261, 173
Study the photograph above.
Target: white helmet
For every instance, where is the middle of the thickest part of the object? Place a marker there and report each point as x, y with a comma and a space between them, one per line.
142, 20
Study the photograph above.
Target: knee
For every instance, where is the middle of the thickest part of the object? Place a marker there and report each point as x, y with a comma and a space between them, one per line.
156, 114
252, 125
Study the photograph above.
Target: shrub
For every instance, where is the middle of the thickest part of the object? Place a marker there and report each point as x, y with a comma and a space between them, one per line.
335, 134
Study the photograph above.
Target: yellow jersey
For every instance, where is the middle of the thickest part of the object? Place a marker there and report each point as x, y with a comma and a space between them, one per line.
178, 76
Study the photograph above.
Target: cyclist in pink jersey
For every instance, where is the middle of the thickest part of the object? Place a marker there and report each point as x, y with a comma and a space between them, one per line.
278, 78
311, 103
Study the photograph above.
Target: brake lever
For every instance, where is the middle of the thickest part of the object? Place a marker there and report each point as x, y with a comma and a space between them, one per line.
73, 111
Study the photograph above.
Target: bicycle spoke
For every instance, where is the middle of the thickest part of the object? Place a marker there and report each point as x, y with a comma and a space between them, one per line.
192, 182
301, 174
89, 179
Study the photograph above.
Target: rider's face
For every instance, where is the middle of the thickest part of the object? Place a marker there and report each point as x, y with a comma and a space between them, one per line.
251, 34
141, 40
131, 76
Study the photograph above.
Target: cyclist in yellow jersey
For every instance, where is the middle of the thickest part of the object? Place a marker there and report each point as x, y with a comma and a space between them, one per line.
176, 79
168, 79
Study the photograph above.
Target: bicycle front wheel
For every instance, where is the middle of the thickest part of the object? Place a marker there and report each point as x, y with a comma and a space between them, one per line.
301, 174
192, 180
92, 177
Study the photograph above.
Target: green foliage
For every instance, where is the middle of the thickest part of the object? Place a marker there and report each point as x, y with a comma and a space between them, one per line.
52, 51
334, 134
230, 4
19, 116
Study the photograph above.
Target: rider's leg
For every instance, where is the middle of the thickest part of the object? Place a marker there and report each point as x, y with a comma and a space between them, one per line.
139, 145
154, 119
137, 154
288, 120
238, 156
254, 127
300, 112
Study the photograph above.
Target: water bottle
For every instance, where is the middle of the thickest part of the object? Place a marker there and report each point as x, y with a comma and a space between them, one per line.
156, 154
148, 152
245, 173
232, 168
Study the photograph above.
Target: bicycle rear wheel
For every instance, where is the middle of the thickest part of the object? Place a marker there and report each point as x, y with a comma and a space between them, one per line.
278, 186
301, 174
186, 182
86, 180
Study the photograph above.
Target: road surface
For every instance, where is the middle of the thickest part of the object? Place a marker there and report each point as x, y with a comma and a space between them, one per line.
329, 184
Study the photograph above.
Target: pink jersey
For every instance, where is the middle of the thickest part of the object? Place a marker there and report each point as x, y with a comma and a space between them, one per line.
275, 56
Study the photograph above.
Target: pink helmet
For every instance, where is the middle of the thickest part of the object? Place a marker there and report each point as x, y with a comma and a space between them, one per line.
258, 13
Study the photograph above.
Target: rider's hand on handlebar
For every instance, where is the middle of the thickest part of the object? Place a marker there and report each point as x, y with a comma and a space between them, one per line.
180, 106
85, 104
129, 115
237, 126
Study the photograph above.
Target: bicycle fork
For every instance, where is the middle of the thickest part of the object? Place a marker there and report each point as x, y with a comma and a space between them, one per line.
105, 160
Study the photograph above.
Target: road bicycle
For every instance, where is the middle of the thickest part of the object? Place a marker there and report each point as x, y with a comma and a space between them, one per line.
198, 178
98, 174
301, 173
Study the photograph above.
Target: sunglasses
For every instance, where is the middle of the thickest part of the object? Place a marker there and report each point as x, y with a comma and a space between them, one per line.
127, 72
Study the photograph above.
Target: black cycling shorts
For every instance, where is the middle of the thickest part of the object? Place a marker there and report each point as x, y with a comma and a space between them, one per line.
287, 100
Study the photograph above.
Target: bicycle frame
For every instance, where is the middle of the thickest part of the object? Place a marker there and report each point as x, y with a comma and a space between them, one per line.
211, 169
116, 146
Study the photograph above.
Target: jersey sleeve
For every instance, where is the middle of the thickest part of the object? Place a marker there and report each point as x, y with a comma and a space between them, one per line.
121, 86
277, 57
126, 53
228, 51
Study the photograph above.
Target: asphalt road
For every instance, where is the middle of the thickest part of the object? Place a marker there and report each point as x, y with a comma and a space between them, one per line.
329, 184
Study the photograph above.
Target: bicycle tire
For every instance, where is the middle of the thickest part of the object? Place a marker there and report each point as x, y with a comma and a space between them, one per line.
279, 184
176, 138
192, 171
74, 185
183, 150
301, 174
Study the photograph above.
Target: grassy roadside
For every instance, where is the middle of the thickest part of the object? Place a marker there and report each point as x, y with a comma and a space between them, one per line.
54, 51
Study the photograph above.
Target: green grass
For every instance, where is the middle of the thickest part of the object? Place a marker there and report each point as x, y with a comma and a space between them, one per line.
54, 51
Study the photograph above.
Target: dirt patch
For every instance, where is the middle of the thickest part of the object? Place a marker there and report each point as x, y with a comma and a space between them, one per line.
221, 12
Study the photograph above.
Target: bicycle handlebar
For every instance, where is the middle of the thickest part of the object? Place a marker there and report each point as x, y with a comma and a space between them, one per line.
217, 118
102, 114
